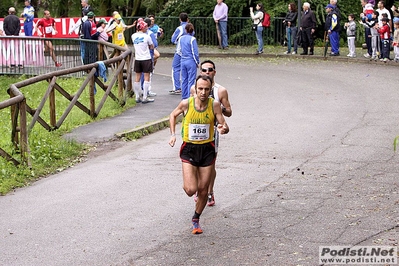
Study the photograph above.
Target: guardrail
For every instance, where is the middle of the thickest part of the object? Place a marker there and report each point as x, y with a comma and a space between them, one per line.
19, 106
33, 56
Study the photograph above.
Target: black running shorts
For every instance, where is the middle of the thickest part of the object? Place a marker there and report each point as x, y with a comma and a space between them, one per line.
143, 66
200, 155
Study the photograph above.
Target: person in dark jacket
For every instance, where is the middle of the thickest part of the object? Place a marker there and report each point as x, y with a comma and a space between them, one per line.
90, 32
333, 28
308, 27
291, 28
11, 24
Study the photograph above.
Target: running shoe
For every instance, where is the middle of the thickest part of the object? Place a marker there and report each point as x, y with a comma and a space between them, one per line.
147, 100
152, 94
57, 64
211, 199
196, 227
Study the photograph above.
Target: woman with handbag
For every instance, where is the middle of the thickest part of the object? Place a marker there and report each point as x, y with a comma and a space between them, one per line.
291, 28
257, 25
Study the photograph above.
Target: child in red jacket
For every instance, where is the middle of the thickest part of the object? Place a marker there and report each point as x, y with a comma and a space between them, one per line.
385, 35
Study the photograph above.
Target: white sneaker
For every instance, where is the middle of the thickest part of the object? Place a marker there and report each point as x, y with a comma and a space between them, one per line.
293, 52
152, 94
367, 55
147, 100
286, 52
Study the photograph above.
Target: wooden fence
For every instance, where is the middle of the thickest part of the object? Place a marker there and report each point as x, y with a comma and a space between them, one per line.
120, 63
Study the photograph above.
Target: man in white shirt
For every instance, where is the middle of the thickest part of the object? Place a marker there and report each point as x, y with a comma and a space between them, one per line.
382, 10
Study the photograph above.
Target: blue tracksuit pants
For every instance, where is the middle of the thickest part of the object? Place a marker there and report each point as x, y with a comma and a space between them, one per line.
176, 68
188, 75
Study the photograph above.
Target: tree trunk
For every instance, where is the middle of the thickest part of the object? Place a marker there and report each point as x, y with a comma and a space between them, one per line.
134, 5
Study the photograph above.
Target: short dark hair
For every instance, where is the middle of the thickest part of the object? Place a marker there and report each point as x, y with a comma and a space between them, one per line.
208, 61
183, 17
148, 21
352, 16
203, 77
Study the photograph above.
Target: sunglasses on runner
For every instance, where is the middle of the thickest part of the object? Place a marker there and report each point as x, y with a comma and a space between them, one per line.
209, 69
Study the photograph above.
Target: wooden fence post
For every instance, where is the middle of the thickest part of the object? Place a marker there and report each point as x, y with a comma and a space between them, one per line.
24, 133
92, 99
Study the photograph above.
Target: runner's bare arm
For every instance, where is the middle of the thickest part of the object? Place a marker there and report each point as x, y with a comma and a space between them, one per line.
224, 100
180, 109
222, 126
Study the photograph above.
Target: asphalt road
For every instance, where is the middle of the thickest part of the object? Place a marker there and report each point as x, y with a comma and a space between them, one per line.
308, 162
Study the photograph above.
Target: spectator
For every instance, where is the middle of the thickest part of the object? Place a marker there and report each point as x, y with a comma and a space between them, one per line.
45, 27
117, 30
367, 34
220, 16
382, 10
143, 63
101, 28
11, 23
28, 15
385, 35
155, 28
158, 32
115, 15
291, 28
336, 8
90, 32
150, 93
86, 8
395, 14
396, 41
333, 28
371, 26
176, 67
307, 27
188, 48
350, 27
257, 20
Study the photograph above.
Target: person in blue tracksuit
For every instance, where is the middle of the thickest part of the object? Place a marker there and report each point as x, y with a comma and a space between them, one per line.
333, 28
188, 49
28, 14
180, 31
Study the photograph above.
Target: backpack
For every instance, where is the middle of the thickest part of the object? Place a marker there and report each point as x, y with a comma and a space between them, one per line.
266, 20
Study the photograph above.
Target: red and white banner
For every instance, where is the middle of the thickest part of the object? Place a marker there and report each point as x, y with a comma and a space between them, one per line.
62, 25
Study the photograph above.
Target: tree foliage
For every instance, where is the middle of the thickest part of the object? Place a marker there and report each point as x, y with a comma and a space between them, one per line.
172, 8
